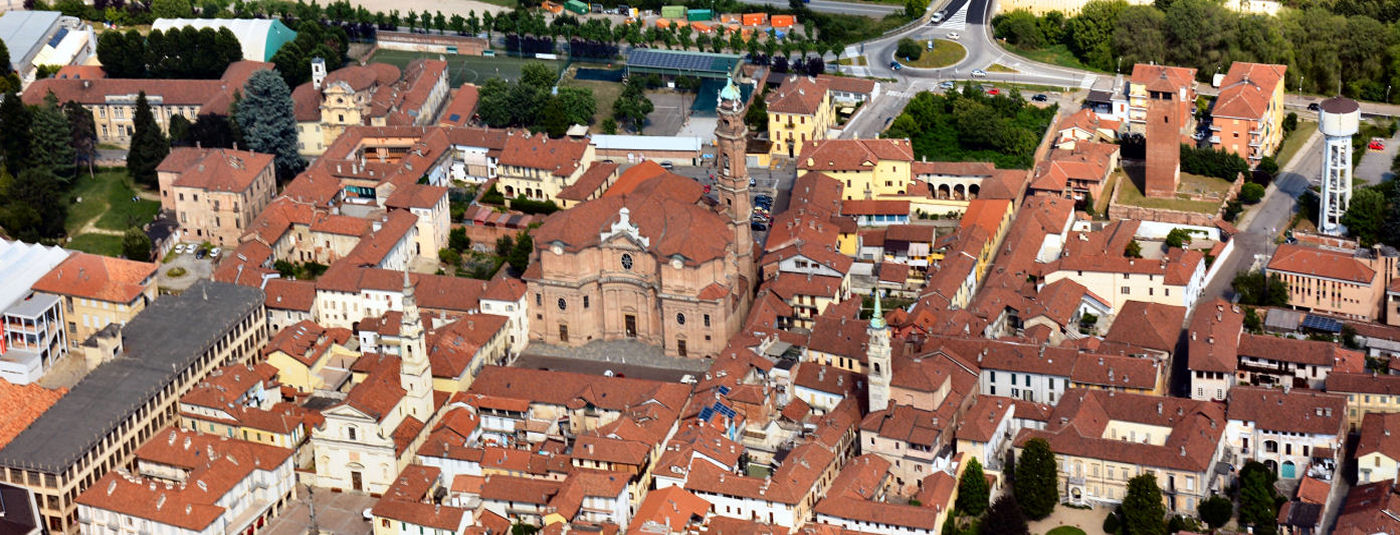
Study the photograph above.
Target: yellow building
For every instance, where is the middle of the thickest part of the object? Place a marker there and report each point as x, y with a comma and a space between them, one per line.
243, 401
1365, 394
866, 168
1378, 452
377, 94
1247, 118
309, 357
98, 291
459, 350
538, 167
799, 112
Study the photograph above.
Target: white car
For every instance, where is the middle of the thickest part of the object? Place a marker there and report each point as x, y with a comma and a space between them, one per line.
214, 253
179, 248
979, 73
937, 18
954, 35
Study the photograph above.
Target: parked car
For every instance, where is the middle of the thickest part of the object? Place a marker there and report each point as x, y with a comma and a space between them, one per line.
200, 252
667, 165
707, 188
979, 73
994, 91
1376, 144
1198, 136
597, 8
215, 253
763, 200
752, 182
894, 65
1040, 98
954, 36
758, 226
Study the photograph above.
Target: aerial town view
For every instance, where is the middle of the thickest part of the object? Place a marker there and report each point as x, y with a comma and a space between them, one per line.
699, 267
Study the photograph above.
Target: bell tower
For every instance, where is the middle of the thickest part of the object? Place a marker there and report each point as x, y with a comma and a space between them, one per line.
732, 181
878, 356
415, 373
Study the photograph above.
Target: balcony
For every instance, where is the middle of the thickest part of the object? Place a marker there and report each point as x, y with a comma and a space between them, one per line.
1076, 480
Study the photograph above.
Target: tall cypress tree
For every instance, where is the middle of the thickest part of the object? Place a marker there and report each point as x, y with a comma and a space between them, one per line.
14, 132
1037, 482
51, 139
1143, 512
148, 144
84, 131
266, 118
973, 491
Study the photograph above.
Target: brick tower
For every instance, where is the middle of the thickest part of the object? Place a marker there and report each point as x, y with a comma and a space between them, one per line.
732, 182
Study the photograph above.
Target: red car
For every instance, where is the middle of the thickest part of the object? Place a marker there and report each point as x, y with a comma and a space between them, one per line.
994, 91
1376, 144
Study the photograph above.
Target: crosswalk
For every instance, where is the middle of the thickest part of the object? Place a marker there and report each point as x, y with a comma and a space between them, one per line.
957, 21
1088, 81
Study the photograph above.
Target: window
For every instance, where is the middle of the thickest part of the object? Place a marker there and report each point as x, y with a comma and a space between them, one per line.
707, 320
680, 347
585, 301
627, 261
350, 433
563, 333
1125, 290
538, 299
563, 304
680, 318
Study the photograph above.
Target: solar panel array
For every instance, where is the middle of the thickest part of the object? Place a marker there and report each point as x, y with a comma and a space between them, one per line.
656, 59
724, 409
706, 414
723, 390
1321, 323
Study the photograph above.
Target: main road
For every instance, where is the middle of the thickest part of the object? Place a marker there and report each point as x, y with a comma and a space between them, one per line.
839, 8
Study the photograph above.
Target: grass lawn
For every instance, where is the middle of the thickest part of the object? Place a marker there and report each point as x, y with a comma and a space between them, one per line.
1295, 141
466, 69
103, 244
1197, 184
997, 67
1054, 55
1130, 194
1066, 530
106, 197
944, 53
604, 93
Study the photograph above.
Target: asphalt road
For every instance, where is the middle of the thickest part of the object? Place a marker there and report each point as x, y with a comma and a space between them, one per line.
840, 8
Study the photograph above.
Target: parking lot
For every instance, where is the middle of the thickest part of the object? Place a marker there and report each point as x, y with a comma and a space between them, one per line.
1375, 164
193, 268
338, 513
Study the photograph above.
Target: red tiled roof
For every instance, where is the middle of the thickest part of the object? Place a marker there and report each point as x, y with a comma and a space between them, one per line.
1247, 89
1380, 433
460, 109
102, 278
23, 404
1318, 262
1299, 411
852, 154
215, 169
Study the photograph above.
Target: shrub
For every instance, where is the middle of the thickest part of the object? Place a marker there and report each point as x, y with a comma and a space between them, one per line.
1210, 162
1251, 193
909, 49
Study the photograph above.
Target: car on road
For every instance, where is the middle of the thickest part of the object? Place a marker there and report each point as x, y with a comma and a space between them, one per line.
758, 226
214, 254
1313, 106
979, 73
1376, 144
667, 165
946, 84
707, 188
1040, 98
954, 35
894, 65
763, 200
937, 18
994, 91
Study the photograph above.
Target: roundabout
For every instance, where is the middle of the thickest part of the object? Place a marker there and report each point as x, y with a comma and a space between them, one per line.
942, 53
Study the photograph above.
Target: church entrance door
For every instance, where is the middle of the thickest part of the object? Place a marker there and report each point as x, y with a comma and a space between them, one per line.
631, 322
355, 482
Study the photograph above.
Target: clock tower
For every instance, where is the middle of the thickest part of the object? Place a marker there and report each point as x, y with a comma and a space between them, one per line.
732, 181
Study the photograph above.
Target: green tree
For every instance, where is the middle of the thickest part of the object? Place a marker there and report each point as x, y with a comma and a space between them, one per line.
552, 119
1133, 250
179, 128
36, 205
1254, 289
1037, 481
1140, 36
1020, 28
148, 144
1005, 517
449, 256
1090, 33
1258, 498
519, 257
172, 9
536, 73
909, 49
915, 8
1178, 237
1143, 512
9, 80
578, 104
80, 124
51, 138
1251, 193
1216, 511
136, 245
457, 239
1365, 216
973, 491
266, 118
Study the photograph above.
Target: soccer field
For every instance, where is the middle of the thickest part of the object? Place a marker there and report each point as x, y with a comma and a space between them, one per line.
466, 69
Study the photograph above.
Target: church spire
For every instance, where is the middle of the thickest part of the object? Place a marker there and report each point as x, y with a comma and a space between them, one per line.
877, 319
877, 354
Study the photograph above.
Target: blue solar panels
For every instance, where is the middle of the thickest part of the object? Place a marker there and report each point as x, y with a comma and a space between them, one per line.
700, 63
1321, 323
724, 409
723, 390
706, 414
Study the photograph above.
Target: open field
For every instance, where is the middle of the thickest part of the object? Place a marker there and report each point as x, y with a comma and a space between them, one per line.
1130, 193
105, 200
103, 244
466, 69
604, 93
1055, 55
944, 53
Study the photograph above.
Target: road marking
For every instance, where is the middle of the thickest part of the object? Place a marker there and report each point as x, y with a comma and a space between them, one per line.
956, 22
1088, 81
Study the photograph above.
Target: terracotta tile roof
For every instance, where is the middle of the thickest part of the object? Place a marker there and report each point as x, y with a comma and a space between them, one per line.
1116, 371
416, 196
723, 525
1370, 508
848, 84
453, 347
503, 288
561, 157
787, 285
102, 278
1299, 411
564, 388
1147, 325
798, 95
925, 170
859, 207
523, 490
1363, 383
226, 385
215, 169
212, 96
1087, 162
23, 404
906, 424
591, 181
214, 466
852, 154
381, 390
856, 494
1214, 337
434, 292
634, 176
1318, 262
793, 481
1077, 427
306, 341
671, 507
1380, 433
81, 72
306, 103
432, 516
1310, 352
461, 107
1005, 184
1313, 490
404, 102
986, 214
1163, 78
1085, 119
1247, 89
286, 294
981, 421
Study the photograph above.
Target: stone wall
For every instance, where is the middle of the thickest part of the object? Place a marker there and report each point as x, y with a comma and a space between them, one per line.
1176, 217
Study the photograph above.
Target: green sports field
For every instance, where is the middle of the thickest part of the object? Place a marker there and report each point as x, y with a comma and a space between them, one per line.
466, 69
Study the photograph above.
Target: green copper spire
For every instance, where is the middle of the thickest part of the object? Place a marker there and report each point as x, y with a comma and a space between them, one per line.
877, 320
730, 91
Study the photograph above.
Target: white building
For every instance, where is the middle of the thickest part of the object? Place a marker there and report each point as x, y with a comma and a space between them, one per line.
34, 336
37, 38
1284, 430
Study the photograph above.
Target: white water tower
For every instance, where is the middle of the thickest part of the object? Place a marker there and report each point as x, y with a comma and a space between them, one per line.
1338, 120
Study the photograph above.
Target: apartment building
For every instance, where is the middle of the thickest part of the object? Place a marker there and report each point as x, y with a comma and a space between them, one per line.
98, 291
33, 336
216, 193
158, 356
112, 101
538, 168
866, 168
1247, 119
1097, 260
1102, 439
1288, 362
1349, 283
191, 483
1378, 452
1284, 430
1213, 339
798, 112
1366, 393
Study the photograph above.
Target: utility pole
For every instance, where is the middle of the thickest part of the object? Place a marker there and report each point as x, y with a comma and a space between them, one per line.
311, 504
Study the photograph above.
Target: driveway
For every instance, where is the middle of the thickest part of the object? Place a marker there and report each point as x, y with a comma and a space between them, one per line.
670, 110
1375, 164
195, 269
